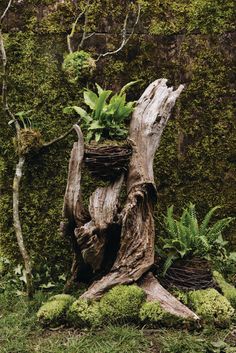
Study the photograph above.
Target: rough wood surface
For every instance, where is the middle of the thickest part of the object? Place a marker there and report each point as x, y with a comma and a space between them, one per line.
155, 292
92, 236
136, 253
72, 208
88, 231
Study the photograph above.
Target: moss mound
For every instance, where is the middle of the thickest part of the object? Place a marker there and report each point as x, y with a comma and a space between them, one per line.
122, 303
152, 312
84, 313
53, 312
211, 306
228, 290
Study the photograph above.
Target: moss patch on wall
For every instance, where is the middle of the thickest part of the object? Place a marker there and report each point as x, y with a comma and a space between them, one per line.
196, 159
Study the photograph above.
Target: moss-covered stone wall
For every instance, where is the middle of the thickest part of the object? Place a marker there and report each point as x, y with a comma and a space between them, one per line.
186, 43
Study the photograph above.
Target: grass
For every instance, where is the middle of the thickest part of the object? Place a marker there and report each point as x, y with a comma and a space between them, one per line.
21, 333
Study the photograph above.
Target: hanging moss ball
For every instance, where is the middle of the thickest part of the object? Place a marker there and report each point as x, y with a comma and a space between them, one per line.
78, 65
28, 140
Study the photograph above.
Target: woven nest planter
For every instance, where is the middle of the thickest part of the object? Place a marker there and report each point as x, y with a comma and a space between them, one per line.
107, 162
190, 274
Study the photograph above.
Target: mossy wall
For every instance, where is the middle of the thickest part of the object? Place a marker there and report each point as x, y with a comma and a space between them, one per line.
186, 43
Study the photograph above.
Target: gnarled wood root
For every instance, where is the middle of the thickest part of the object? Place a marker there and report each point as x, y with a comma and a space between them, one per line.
155, 292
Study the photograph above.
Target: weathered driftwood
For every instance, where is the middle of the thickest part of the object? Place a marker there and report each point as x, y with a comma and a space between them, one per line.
135, 255
93, 235
155, 292
88, 232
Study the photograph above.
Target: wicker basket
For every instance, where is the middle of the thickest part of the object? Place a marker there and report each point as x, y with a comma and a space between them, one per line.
107, 162
191, 274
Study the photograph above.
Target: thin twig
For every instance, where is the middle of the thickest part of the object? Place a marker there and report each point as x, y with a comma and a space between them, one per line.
47, 144
85, 36
71, 35
125, 38
5, 11
19, 167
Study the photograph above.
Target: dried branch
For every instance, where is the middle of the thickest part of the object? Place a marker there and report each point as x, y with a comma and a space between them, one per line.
50, 143
125, 37
5, 11
71, 35
85, 36
19, 166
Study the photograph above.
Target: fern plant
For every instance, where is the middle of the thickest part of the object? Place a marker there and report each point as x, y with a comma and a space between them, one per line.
105, 118
187, 238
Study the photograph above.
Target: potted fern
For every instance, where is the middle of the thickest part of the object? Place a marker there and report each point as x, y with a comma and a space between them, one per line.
189, 247
104, 124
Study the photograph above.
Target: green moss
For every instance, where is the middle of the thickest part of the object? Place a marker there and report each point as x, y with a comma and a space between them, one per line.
122, 303
84, 313
180, 295
211, 306
228, 290
78, 65
196, 159
152, 313
29, 140
53, 312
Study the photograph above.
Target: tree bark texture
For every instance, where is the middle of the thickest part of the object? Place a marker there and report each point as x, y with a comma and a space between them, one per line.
135, 255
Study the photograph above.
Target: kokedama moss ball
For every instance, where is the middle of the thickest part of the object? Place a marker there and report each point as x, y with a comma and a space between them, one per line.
211, 306
29, 140
53, 312
84, 313
78, 65
122, 303
228, 290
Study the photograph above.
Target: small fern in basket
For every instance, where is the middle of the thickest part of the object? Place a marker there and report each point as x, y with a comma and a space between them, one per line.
187, 238
105, 118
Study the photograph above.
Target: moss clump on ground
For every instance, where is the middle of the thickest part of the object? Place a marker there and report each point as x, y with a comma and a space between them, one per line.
53, 312
84, 313
122, 303
152, 312
228, 290
211, 306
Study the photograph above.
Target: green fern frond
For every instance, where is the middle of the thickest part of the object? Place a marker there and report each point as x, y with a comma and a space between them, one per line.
206, 220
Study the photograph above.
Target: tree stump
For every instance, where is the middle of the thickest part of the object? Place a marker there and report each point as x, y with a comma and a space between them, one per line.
134, 223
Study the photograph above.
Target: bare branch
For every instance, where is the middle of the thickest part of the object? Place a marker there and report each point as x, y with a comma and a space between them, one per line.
71, 35
85, 36
50, 143
5, 11
19, 167
125, 38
